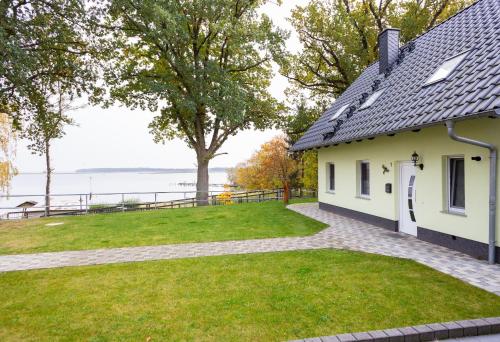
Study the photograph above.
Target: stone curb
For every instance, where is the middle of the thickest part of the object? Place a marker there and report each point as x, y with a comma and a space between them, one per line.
419, 333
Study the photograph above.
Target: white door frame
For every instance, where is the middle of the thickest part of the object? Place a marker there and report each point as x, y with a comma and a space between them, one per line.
407, 198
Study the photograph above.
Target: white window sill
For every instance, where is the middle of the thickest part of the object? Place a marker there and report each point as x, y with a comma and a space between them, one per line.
453, 212
363, 197
330, 192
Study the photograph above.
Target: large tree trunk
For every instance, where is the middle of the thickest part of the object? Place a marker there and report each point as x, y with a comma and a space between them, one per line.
202, 181
47, 183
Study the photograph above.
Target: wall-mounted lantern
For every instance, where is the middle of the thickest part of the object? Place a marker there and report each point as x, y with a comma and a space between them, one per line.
415, 158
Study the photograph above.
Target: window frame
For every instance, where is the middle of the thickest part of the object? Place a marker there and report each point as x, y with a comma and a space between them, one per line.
329, 188
373, 97
449, 206
338, 113
360, 179
429, 80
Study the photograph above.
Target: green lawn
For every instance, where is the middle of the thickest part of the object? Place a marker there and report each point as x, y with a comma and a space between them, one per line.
257, 297
233, 222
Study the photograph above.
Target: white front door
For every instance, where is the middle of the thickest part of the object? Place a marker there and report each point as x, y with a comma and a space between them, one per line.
407, 195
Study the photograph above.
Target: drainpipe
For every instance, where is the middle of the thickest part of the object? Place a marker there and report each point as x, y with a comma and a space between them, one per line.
493, 185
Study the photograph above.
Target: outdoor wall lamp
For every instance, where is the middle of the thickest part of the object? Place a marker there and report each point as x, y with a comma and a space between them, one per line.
415, 158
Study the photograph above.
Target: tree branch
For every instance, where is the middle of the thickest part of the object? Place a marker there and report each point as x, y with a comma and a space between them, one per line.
364, 40
436, 15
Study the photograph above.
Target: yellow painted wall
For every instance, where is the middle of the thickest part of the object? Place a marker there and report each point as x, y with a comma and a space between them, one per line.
432, 144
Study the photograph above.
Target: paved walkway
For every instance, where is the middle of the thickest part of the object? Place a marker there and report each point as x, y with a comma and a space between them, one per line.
342, 233
352, 234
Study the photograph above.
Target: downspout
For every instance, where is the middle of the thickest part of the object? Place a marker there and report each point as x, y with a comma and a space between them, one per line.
492, 182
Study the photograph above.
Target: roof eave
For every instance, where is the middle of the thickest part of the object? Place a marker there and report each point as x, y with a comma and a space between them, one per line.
494, 113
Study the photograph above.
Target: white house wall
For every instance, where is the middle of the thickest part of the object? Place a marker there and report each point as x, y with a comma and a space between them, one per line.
432, 144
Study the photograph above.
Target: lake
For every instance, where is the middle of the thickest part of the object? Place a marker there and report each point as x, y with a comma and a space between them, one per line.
97, 183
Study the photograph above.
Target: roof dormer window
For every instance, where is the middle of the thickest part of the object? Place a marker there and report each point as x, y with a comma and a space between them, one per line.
373, 97
338, 112
446, 68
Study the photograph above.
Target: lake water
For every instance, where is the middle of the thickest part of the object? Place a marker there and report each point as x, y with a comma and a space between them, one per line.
97, 183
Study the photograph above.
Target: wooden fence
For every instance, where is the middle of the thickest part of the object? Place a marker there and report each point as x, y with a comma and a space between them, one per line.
236, 197
224, 198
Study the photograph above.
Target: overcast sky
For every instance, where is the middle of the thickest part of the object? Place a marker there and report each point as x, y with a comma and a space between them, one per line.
119, 137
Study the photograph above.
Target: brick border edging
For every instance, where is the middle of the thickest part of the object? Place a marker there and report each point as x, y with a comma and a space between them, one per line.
419, 333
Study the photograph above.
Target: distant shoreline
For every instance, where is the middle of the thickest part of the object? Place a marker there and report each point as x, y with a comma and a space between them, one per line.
132, 170
146, 170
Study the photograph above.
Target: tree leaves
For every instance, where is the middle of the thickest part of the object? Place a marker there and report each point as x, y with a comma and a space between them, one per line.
340, 38
42, 43
205, 65
268, 168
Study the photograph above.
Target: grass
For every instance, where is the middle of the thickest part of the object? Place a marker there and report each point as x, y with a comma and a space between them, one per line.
257, 297
234, 222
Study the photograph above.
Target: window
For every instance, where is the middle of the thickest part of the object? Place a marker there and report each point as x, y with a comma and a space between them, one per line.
446, 69
331, 177
456, 184
338, 112
364, 177
373, 97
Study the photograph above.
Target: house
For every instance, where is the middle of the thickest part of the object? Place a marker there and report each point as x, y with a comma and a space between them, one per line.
411, 145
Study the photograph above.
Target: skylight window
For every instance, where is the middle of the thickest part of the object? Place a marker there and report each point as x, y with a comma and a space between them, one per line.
373, 97
339, 112
446, 69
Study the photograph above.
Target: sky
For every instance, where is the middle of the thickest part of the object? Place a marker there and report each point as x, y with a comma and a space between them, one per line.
119, 137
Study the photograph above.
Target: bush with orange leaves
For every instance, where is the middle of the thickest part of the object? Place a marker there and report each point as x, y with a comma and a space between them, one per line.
226, 197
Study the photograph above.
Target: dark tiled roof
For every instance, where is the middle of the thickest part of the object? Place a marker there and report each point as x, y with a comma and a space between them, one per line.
473, 88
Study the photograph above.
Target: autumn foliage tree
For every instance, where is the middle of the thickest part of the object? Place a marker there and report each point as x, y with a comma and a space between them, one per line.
308, 176
295, 124
7, 149
270, 167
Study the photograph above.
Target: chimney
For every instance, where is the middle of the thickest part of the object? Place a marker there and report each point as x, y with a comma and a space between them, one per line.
388, 48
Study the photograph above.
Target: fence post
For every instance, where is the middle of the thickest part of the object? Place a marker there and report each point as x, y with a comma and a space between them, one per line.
86, 204
123, 202
155, 199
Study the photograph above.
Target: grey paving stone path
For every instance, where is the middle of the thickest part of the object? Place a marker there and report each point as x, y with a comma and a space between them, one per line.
342, 233
352, 234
